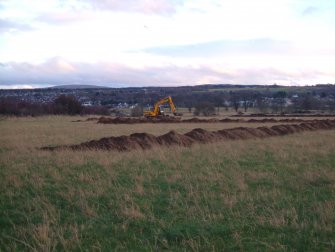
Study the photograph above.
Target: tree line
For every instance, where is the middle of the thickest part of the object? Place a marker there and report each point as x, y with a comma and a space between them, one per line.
200, 103
62, 105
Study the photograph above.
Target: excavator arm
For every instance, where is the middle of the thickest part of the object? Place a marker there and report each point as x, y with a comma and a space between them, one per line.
172, 106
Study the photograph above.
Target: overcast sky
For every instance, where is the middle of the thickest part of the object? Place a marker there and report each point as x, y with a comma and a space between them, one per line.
166, 42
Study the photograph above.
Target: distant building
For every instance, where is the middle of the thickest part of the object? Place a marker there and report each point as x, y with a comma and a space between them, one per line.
87, 104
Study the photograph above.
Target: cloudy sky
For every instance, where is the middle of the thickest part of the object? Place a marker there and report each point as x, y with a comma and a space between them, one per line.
166, 42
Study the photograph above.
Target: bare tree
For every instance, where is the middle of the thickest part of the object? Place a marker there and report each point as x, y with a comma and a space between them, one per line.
137, 111
204, 108
235, 101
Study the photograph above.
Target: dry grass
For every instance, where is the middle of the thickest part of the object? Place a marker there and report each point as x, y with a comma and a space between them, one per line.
271, 194
30, 132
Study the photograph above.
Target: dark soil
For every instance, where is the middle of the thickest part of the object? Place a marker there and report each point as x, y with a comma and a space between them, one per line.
286, 115
130, 120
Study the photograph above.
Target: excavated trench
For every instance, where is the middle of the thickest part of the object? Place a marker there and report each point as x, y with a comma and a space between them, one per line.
144, 141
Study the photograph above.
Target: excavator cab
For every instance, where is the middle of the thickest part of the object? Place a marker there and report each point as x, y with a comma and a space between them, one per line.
161, 111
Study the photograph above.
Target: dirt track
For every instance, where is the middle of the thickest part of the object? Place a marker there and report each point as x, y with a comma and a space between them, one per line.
146, 141
129, 120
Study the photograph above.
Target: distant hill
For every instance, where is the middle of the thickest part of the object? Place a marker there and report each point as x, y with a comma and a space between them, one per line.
76, 87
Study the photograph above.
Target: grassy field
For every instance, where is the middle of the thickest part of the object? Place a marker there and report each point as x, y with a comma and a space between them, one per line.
276, 194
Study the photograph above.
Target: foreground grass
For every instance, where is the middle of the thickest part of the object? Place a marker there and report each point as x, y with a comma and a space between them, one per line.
274, 194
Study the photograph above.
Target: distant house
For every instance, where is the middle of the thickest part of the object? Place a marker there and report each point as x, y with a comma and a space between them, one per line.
122, 105
288, 102
87, 104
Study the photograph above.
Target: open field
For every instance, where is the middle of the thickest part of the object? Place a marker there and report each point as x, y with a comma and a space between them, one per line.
274, 194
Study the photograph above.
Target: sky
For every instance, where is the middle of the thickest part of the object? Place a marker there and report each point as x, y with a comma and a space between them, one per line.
125, 43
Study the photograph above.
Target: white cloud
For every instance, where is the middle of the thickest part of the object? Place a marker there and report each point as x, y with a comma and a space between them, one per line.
142, 6
59, 71
64, 18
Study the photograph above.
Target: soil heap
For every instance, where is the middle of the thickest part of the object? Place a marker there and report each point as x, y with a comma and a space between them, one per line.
144, 141
131, 120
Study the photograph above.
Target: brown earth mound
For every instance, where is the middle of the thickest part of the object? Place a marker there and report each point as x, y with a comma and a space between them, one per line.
285, 115
92, 119
147, 141
88, 119
174, 138
130, 120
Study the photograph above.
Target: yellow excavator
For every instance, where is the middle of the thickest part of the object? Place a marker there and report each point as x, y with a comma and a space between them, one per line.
157, 112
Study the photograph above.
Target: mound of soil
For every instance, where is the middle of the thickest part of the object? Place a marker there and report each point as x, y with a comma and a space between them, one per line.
174, 138
203, 136
285, 115
131, 120
145, 141
194, 120
228, 120
92, 119
88, 119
